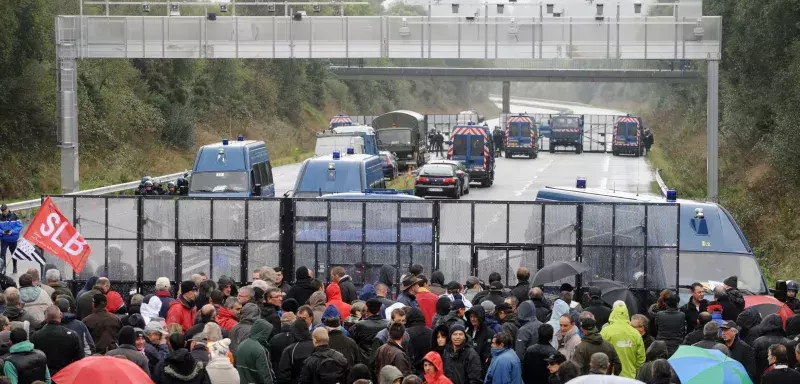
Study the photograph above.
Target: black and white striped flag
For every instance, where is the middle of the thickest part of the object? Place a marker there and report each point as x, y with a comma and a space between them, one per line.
27, 252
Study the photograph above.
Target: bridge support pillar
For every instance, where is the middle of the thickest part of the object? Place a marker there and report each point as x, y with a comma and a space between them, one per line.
68, 118
712, 130
506, 97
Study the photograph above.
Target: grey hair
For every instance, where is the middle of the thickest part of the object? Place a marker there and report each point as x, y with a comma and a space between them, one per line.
247, 290
212, 332
711, 330
52, 275
641, 319
230, 302
599, 361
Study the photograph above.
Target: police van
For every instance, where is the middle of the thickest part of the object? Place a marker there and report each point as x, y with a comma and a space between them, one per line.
238, 168
337, 173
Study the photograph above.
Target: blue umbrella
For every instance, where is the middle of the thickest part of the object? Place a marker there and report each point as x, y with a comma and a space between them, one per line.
695, 365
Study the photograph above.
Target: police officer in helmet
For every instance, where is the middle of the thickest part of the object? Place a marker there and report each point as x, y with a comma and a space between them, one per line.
172, 189
791, 296
148, 189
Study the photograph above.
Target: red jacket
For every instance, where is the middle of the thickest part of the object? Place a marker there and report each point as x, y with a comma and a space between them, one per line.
437, 377
113, 301
334, 295
427, 304
181, 312
225, 319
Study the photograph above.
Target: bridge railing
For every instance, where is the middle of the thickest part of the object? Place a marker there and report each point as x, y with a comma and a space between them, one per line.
137, 239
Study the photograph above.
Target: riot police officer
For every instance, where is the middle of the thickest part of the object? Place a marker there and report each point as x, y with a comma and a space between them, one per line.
499, 138
791, 296
148, 189
140, 190
172, 189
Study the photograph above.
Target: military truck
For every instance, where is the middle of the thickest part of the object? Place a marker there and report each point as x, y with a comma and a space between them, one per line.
566, 131
403, 133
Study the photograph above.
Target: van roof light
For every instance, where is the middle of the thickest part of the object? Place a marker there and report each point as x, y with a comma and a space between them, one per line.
336, 155
225, 141
581, 183
672, 195
240, 138
351, 150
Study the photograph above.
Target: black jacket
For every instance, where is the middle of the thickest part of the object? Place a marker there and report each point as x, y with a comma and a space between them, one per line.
349, 292
749, 322
781, 376
61, 345
771, 333
277, 344
324, 366
542, 310
744, 354
364, 333
295, 355
495, 297
421, 337
180, 367
511, 325
528, 333
521, 291
693, 337
481, 336
671, 324
301, 291
600, 310
462, 366
344, 345
270, 313
691, 312
730, 310
534, 368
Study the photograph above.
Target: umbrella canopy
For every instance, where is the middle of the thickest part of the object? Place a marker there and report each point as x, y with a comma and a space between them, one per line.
613, 291
557, 271
102, 370
695, 365
603, 379
767, 305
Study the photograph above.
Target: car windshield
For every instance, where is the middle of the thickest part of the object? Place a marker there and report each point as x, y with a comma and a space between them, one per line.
441, 170
565, 122
394, 136
219, 182
345, 177
714, 266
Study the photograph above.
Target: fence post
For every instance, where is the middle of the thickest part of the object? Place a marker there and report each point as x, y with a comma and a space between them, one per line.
286, 244
139, 242
436, 235
579, 242
245, 262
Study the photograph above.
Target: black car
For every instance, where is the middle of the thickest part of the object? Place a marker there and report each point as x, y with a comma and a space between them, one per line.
461, 172
389, 163
438, 179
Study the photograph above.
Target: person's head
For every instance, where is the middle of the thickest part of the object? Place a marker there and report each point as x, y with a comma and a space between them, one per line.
337, 273
213, 332
410, 284
320, 337
162, 284
256, 274
52, 315
154, 332
415, 269
536, 293
495, 276
473, 282
206, 287
640, 323
176, 341
588, 325
5, 324
566, 296
18, 335
710, 330
381, 290
412, 379
268, 275
25, 280
565, 324
502, 340
12, 298
729, 331
216, 297
672, 300
796, 347
306, 313
104, 283
99, 301
4, 209
137, 299
35, 275
374, 306
140, 339
274, 296
208, 313
246, 295
457, 335
599, 363
719, 292
587, 315
776, 354
189, 290
454, 287
396, 332
698, 292
358, 309
555, 361
458, 307
568, 371
233, 305
52, 276
523, 274
546, 332
197, 278
63, 304
502, 310
791, 288
278, 275
441, 337
422, 281
513, 302
661, 371
398, 316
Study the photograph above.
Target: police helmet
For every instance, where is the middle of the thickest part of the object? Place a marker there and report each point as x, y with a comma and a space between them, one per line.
158, 184
171, 184
148, 183
145, 179
791, 285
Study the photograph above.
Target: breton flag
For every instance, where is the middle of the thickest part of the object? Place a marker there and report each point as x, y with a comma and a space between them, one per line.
27, 252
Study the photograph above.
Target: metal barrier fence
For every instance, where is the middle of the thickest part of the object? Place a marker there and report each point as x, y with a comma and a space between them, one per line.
137, 239
441, 123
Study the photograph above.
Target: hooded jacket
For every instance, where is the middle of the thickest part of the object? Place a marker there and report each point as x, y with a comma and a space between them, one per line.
427, 301
225, 319
317, 304
60, 289
591, 344
389, 374
528, 333
510, 324
221, 371
293, 357
560, 308
155, 353
240, 332
481, 336
37, 369
626, 341
771, 333
387, 275
324, 366
349, 291
181, 312
600, 310
750, 323
441, 328
437, 377
334, 295
437, 283
272, 314
251, 356
19, 314
36, 301
367, 292
302, 289
543, 311
505, 368
420, 336
462, 366
671, 325
180, 367
442, 310
70, 320
534, 368
657, 350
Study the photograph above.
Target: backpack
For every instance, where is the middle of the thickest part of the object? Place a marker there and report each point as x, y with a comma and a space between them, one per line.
332, 370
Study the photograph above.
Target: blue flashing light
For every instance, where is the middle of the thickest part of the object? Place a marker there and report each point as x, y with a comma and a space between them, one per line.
224, 141
351, 150
341, 115
672, 195
522, 114
336, 155
470, 123
240, 138
581, 183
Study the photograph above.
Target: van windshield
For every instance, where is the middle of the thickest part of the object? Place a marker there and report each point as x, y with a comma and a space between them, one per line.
394, 137
716, 266
346, 177
219, 182
564, 122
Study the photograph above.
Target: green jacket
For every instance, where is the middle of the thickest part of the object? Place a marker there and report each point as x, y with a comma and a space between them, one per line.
11, 371
626, 341
251, 357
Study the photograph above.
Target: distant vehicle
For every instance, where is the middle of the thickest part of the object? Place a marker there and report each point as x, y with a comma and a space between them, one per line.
328, 143
438, 179
521, 137
403, 133
465, 117
365, 132
461, 172
566, 131
340, 121
629, 136
238, 168
337, 173
712, 247
473, 146
389, 163
382, 194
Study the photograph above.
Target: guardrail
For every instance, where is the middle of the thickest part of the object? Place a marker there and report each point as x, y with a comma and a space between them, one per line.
661, 184
36, 203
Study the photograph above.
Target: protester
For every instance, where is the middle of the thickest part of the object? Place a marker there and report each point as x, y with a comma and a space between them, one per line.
241, 331
341, 343
437, 283
156, 348
220, 370
427, 300
179, 366
739, 350
592, 343
626, 340
251, 356
183, 310
127, 349
61, 345
301, 290
696, 335
462, 364
392, 353
710, 336
293, 357
771, 333
527, 335
481, 335
421, 337
505, 367
434, 369
365, 331
543, 308
334, 295
104, 326
408, 291
324, 365
779, 372
25, 364
228, 314
34, 299
71, 322
597, 307
567, 338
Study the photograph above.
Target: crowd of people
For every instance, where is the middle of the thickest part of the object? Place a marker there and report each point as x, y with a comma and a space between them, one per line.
415, 330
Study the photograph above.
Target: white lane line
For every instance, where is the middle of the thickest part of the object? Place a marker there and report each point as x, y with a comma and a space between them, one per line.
527, 185
545, 166
606, 164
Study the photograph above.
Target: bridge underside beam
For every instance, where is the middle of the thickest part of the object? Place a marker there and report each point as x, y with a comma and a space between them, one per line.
520, 75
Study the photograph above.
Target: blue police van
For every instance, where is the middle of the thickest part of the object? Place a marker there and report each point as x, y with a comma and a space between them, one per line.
337, 173
712, 246
238, 168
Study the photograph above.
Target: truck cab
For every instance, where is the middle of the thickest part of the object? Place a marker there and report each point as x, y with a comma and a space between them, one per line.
520, 136
338, 173
403, 133
628, 136
566, 131
473, 146
238, 168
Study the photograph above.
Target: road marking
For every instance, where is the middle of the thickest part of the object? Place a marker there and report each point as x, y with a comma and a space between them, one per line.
606, 164
545, 166
527, 185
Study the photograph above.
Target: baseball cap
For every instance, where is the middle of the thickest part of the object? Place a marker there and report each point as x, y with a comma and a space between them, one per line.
472, 280
588, 323
155, 326
555, 358
496, 286
729, 325
162, 283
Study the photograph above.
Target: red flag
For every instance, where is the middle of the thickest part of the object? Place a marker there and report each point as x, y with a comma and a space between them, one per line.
52, 232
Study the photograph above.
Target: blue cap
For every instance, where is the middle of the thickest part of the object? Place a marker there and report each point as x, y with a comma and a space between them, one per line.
351, 150
240, 138
336, 155
672, 195
224, 141
581, 183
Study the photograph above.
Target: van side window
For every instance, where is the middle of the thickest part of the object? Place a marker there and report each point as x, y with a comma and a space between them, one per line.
268, 173
259, 169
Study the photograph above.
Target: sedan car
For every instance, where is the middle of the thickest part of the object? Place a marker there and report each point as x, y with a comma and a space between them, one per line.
461, 172
389, 163
438, 179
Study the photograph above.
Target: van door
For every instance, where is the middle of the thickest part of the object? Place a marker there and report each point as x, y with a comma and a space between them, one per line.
262, 174
475, 152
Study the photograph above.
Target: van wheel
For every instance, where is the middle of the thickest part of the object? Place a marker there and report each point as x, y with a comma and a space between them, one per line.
457, 193
579, 149
466, 189
552, 148
637, 153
